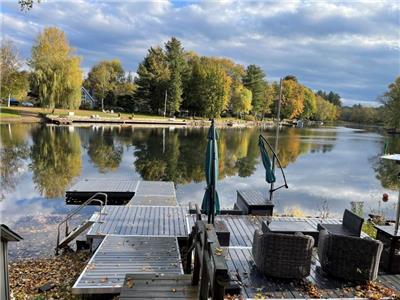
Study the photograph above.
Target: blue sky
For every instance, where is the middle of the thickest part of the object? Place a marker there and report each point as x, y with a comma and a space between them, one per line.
350, 47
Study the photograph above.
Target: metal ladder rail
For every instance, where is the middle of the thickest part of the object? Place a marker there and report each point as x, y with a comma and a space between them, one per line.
76, 210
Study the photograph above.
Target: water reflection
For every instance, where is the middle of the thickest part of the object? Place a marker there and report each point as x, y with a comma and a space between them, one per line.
178, 155
323, 165
55, 159
13, 152
386, 171
103, 151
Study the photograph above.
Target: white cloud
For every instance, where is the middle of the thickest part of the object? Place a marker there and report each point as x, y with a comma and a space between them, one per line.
327, 44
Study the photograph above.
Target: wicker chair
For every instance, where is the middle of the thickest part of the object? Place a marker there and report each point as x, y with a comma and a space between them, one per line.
348, 257
282, 255
351, 225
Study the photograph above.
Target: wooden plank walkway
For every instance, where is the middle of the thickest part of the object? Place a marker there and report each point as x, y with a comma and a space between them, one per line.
145, 286
120, 255
155, 193
141, 220
123, 191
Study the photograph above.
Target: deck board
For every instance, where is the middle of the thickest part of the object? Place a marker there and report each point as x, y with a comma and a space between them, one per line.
141, 220
144, 286
119, 255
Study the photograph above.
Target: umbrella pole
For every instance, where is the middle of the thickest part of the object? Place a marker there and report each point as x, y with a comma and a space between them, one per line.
213, 176
278, 117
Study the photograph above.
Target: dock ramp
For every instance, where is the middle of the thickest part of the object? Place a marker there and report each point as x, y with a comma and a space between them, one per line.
119, 255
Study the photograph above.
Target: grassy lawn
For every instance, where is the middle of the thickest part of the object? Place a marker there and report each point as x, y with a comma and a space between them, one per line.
19, 110
8, 113
78, 112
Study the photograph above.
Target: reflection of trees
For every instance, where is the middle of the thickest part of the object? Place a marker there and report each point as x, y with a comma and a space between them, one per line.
103, 152
294, 142
55, 159
178, 155
386, 171
14, 150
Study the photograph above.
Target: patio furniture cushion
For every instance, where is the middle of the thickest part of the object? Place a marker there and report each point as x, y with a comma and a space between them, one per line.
282, 255
349, 257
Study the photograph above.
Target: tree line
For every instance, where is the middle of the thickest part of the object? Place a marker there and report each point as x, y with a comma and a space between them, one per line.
169, 80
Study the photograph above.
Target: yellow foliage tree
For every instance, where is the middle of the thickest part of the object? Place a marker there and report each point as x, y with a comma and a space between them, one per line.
293, 99
57, 73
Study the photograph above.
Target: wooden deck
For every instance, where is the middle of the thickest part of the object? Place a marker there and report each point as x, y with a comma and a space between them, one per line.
146, 286
155, 193
119, 255
254, 284
161, 225
141, 220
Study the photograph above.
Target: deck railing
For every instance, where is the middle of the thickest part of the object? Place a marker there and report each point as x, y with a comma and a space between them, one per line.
209, 261
103, 203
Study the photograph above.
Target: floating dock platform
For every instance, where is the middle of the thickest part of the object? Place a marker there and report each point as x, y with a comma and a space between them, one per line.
123, 191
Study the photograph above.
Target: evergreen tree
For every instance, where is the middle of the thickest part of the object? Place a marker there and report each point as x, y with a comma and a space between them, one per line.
177, 66
152, 81
254, 81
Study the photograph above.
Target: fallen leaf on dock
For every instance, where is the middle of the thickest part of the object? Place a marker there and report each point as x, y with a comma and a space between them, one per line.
130, 283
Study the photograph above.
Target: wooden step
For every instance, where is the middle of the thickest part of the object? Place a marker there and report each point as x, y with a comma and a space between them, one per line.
158, 286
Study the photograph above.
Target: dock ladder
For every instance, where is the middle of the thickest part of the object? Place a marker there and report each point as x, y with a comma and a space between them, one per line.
71, 235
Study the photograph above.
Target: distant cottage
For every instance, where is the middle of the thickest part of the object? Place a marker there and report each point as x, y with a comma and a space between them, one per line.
7, 235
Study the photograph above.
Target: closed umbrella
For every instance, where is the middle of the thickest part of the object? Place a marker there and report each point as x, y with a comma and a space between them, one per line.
210, 203
395, 158
270, 167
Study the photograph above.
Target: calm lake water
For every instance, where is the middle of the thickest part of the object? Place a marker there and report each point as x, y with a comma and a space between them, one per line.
326, 169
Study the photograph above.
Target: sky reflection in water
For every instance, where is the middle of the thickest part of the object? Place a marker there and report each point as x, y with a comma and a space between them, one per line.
332, 165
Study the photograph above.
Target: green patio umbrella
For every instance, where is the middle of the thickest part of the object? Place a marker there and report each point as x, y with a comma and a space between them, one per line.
210, 204
270, 166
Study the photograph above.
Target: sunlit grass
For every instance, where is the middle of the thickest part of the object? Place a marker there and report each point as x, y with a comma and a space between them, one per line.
8, 113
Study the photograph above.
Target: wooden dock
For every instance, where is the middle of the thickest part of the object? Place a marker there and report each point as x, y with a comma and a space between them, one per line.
141, 220
139, 241
123, 191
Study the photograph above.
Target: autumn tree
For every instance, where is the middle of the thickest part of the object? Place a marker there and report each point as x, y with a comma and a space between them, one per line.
391, 101
152, 80
268, 100
292, 104
310, 104
254, 81
212, 87
325, 111
57, 72
241, 100
105, 78
13, 83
